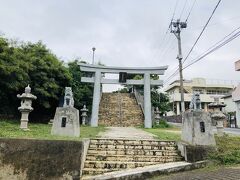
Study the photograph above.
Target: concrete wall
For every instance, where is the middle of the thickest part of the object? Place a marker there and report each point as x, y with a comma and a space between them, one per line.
230, 105
40, 159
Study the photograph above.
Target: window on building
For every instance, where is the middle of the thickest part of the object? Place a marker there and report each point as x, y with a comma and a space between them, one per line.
200, 91
219, 92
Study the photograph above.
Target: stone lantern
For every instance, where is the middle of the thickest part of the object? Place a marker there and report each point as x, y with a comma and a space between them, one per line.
84, 111
217, 115
26, 107
157, 117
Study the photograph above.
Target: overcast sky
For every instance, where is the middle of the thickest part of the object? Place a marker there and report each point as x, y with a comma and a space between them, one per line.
128, 32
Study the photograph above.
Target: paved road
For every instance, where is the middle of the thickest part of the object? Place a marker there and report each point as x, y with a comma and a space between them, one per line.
125, 132
219, 174
234, 131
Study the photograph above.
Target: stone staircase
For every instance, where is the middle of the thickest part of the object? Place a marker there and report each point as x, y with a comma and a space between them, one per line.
107, 155
120, 109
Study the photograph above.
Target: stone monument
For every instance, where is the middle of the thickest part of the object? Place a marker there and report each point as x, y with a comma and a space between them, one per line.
68, 98
195, 103
66, 119
26, 107
84, 111
197, 135
217, 116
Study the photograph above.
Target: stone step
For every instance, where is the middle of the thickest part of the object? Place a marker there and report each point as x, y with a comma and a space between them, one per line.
130, 158
134, 108
115, 164
107, 155
104, 141
123, 113
132, 146
119, 121
132, 152
131, 113
94, 171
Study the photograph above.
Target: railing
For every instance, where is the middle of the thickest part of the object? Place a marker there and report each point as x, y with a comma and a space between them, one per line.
140, 100
120, 107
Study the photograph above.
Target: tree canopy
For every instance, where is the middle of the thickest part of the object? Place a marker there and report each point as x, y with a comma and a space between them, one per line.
32, 63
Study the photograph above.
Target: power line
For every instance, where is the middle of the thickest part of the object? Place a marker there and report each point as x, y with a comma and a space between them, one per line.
183, 9
215, 48
202, 31
216, 23
190, 11
225, 40
175, 7
167, 31
176, 71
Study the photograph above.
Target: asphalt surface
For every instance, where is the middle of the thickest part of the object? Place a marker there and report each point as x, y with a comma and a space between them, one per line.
234, 131
230, 173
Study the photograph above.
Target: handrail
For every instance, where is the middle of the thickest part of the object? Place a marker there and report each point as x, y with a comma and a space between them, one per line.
140, 100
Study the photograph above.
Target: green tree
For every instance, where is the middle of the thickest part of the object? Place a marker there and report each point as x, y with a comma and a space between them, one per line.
83, 92
160, 100
13, 71
34, 64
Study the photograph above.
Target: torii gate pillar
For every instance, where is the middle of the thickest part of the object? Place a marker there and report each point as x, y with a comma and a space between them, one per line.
96, 98
147, 102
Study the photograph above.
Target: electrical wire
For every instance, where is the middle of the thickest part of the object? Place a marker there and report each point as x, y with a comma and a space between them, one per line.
214, 49
202, 31
190, 11
184, 6
166, 33
225, 40
176, 71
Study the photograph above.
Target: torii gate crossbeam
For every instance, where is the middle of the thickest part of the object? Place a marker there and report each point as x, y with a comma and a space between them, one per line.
97, 79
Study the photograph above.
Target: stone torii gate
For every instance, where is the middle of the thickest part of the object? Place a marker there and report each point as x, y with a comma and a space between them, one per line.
97, 79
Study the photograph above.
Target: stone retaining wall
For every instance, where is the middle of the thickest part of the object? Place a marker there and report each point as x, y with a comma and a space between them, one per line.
40, 159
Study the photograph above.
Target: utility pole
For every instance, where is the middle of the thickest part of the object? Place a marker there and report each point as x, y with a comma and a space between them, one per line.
93, 49
176, 30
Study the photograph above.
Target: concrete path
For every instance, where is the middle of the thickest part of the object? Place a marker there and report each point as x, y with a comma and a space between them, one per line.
125, 133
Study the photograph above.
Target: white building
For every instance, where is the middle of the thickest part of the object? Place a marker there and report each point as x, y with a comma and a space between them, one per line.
208, 91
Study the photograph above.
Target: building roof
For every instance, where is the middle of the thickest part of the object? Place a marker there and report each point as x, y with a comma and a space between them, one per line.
197, 82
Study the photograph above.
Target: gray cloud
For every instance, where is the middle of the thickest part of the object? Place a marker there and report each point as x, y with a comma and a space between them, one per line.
126, 33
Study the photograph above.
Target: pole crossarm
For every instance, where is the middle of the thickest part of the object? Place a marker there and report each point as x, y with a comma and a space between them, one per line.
130, 70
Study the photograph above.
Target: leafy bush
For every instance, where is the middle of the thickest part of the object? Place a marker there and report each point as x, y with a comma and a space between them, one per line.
162, 124
228, 150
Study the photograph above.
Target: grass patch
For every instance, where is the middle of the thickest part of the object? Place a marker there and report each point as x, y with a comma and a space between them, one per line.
228, 150
10, 129
168, 134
